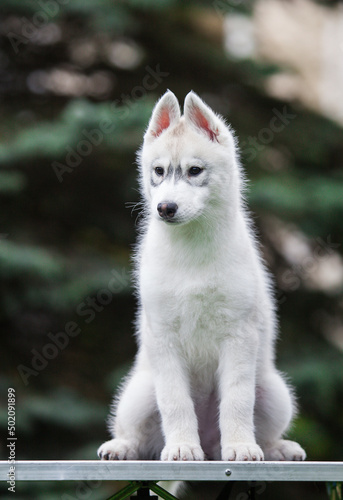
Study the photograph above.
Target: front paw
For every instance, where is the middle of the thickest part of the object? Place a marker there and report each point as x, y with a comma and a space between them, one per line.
182, 451
285, 450
242, 452
117, 449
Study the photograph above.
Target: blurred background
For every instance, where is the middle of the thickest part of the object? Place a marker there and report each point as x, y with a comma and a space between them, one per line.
78, 80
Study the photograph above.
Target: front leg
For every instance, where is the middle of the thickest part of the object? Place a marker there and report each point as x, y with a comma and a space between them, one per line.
237, 373
179, 421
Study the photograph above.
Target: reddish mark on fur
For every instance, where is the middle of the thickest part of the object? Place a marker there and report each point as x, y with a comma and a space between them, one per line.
163, 122
202, 122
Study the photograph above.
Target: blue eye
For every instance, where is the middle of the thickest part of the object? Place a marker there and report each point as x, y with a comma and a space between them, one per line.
159, 171
193, 171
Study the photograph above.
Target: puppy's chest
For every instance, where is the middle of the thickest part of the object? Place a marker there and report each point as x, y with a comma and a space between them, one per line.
203, 312
198, 305
197, 326
194, 313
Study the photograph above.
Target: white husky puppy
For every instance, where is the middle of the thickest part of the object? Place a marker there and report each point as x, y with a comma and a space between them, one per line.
204, 384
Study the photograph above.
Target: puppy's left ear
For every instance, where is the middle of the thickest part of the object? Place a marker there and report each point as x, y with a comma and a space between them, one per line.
165, 114
202, 118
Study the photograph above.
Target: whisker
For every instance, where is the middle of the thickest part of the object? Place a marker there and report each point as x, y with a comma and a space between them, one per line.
134, 205
137, 206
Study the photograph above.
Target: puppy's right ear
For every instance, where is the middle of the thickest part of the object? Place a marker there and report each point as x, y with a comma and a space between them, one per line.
165, 114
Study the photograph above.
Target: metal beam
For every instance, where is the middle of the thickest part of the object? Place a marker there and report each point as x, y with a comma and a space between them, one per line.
70, 470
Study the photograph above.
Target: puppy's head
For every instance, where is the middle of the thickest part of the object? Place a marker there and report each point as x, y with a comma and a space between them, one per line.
186, 162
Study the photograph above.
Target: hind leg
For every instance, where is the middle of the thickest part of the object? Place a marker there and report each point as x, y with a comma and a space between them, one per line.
274, 410
136, 426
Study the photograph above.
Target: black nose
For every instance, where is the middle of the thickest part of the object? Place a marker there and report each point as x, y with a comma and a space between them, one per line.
167, 210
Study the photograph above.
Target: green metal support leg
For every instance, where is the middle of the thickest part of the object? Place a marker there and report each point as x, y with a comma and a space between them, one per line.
335, 490
141, 485
162, 492
125, 492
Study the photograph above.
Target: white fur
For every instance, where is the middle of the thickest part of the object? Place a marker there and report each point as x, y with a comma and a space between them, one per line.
204, 384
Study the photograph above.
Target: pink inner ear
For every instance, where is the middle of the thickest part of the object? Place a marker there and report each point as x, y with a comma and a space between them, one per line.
162, 122
202, 122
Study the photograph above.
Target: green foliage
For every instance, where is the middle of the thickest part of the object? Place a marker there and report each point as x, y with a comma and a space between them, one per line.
20, 261
79, 412
49, 140
291, 194
11, 182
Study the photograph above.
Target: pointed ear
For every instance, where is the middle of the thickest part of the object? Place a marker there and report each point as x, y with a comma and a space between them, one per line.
165, 114
201, 117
